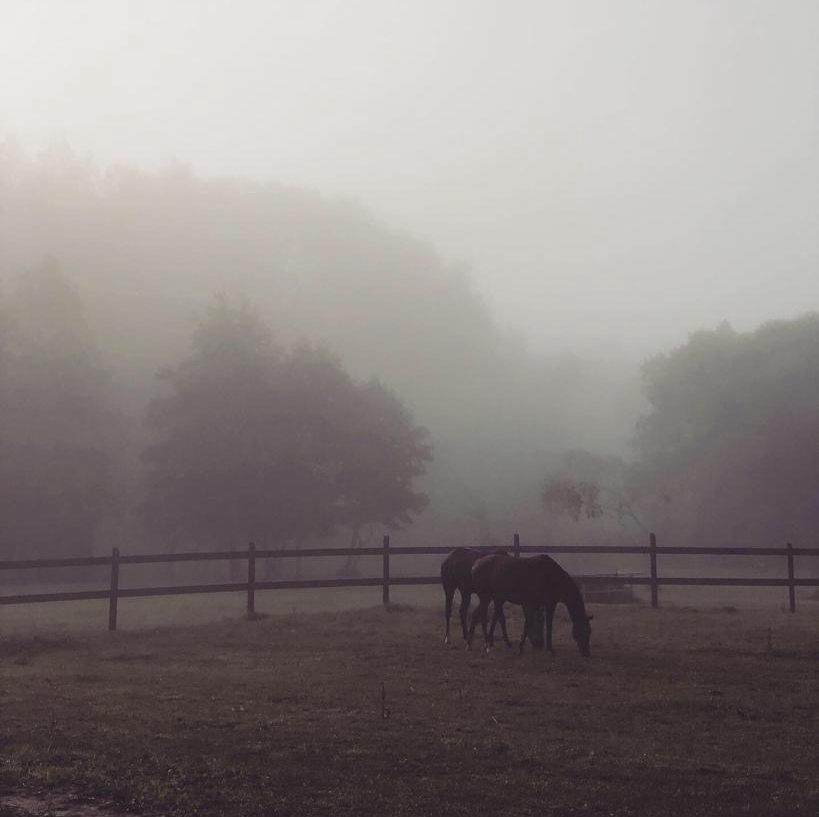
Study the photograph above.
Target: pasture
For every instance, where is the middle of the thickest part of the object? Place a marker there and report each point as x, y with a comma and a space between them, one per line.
680, 711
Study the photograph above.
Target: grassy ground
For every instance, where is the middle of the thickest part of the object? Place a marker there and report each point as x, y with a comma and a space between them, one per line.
678, 712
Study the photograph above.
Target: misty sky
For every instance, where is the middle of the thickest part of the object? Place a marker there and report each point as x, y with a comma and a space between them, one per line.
612, 171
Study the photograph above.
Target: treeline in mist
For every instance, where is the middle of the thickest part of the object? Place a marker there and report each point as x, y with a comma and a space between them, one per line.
294, 406
146, 252
61, 431
246, 440
258, 443
728, 451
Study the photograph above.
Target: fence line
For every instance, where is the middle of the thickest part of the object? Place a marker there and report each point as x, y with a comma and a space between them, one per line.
385, 581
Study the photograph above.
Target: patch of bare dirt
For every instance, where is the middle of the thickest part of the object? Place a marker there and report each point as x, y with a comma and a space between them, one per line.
52, 804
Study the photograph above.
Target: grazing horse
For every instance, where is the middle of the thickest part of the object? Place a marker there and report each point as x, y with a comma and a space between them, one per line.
533, 583
456, 574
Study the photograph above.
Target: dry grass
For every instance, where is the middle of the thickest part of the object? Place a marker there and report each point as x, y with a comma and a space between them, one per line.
679, 712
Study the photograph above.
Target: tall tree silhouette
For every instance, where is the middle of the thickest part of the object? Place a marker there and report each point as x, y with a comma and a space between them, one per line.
58, 420
254, 442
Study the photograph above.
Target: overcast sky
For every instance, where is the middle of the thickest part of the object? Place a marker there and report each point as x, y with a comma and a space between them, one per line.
619, 171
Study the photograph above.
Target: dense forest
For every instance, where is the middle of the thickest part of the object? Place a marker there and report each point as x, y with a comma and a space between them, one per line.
727, 452
199, 362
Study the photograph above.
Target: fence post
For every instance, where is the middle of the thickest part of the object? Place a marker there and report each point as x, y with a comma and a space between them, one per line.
251, 581
114, 596
385, 590
652, 543
791, 586
516, 546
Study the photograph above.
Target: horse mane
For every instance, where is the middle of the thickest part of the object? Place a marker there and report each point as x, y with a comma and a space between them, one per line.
569, 591
574, 600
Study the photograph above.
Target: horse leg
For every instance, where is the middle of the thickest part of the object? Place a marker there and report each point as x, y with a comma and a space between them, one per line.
466, 598
494, 620
501, 617
479, 614
484, 610
536, 628
449, 592
488, 634
497, 615
527, 617
550, 614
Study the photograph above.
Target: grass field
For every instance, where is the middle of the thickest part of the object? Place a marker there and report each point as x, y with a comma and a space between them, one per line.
678, 712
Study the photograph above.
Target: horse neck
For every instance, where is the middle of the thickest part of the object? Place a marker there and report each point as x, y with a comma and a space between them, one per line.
573, 599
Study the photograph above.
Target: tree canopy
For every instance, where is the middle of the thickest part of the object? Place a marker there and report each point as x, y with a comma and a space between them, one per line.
256, 442
728, 452
148, 248
58, 420
589, 486
730, 448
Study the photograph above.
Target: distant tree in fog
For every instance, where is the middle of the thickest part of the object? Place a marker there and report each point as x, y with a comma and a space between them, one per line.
254, 442
146, 246
58, 421
730, 449
216, 448
384, 452
588, 486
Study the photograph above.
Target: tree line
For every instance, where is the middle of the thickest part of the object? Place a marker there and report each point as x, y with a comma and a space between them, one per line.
728, 451
146, 249
246, 439
725, 448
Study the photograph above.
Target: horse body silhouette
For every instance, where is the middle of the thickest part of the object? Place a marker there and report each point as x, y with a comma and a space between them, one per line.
456, 574
534, 583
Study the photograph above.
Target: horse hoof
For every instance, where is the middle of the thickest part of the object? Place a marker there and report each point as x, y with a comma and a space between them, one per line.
446, 639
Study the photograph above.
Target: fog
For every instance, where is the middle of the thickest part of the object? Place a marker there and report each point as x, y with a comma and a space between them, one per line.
308, 308
616, 174
499, 212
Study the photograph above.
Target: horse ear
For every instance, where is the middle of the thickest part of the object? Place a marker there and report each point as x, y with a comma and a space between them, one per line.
589, 618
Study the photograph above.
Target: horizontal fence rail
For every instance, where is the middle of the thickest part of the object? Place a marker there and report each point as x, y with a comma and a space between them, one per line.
385, 581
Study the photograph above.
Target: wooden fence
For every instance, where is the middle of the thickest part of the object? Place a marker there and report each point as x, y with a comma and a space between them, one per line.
385, 581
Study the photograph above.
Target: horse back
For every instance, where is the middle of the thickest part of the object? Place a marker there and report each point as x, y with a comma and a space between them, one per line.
484, 571
536, 580
456, 569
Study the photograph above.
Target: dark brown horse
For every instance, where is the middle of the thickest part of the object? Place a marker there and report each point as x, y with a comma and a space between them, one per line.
535, 583
456, 574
